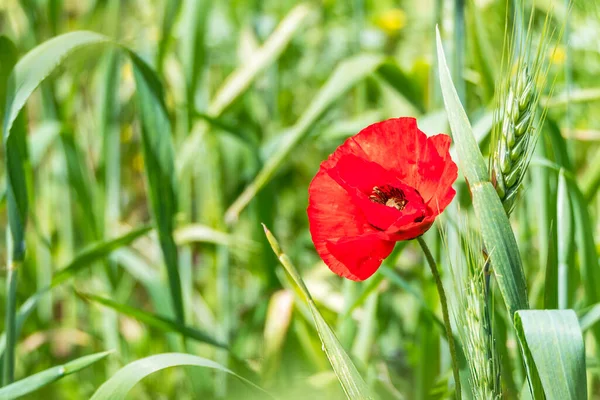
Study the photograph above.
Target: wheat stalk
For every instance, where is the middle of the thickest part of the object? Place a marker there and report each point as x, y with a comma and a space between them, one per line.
472, 311
517, 117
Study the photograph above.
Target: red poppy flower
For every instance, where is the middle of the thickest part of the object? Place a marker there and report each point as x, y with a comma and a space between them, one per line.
385, 184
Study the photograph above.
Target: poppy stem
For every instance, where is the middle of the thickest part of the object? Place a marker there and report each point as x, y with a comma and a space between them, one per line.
444, 303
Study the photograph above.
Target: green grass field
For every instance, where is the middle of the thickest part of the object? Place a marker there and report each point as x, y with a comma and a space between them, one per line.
146, 141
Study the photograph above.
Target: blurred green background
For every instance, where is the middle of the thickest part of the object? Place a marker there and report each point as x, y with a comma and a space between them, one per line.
264, 89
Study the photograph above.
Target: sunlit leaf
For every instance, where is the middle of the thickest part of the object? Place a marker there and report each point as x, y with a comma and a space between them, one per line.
44, 378
353, 384
126, 378
554, 344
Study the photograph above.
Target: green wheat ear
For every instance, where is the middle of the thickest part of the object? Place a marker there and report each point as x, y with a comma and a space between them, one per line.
473, 311
518, 118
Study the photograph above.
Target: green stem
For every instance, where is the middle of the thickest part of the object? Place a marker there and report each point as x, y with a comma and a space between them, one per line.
445, 314
11, 330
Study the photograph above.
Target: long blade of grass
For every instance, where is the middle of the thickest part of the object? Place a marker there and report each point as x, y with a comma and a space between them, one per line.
8, 58
470, 159
117, 387
501, 246
160, 170
555, 344
25, 77
157, 321
16, 191
353, 384
44, 378
36, 65
582, 222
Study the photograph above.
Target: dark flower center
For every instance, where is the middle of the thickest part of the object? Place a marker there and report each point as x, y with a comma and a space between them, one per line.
389, 196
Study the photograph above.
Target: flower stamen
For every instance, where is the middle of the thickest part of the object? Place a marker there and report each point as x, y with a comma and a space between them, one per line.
389, 196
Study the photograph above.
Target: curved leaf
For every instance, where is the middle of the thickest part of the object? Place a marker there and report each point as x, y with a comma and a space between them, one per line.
126, 378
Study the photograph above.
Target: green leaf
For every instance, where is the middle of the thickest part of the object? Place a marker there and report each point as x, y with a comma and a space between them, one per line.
44, 378
160, 170
153, 320
353, 384
470, 159
8, 59
501, 246
117, 387
36, 65
555, 344
344, 77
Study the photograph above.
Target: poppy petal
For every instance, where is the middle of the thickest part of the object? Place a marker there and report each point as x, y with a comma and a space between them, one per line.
361, 255
332, 215
444, 193
397, 144
437, 171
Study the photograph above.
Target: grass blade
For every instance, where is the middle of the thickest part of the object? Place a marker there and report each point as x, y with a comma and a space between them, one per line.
501, 246
44, 378
36, 65
117, 387
16, 193
153, 320
470, 159
160, 170
353, 384
555, 343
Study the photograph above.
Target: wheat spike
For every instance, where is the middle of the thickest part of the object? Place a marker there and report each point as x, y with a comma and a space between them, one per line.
472, 311
510, 157
518, 118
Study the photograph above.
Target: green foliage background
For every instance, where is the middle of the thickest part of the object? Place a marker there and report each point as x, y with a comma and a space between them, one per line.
252, 96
